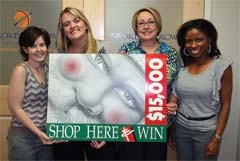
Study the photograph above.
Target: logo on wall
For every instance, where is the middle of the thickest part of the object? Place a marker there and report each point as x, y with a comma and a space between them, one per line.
22, 18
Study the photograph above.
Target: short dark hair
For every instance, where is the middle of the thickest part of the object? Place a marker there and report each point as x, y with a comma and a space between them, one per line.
29, 36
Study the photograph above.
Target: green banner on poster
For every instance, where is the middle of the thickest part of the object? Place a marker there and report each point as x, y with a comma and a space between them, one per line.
107, 97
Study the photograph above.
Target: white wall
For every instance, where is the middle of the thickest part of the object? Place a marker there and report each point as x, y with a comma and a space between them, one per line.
119, 19
238, 147
225, 15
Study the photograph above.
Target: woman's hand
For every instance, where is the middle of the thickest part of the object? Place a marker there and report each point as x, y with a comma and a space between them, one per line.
45, 139
172, 108
212, 148
97, 145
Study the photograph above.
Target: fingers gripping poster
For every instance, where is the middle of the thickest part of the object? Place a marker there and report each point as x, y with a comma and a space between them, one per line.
107, 97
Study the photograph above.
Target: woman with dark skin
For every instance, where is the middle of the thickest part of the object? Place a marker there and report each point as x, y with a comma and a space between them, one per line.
203, 89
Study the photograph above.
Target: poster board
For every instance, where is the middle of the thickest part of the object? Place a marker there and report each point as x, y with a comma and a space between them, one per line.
107, 97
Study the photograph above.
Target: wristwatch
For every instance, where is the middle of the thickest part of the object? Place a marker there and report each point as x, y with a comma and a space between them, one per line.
218, 137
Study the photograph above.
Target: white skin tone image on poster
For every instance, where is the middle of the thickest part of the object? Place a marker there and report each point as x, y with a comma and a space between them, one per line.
95, 88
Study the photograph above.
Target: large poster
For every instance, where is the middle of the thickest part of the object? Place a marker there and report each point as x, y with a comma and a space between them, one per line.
110, 97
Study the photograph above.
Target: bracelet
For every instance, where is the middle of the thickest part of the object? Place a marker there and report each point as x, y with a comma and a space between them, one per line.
218, 137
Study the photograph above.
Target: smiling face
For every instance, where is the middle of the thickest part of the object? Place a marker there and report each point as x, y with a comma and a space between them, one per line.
196, 43
146, 26
73, 27
110, 87
37, 52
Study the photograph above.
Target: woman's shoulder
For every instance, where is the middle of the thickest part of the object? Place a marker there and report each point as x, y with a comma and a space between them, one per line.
167, 49
129, 46
220, 65
223, 62
21, 66
20, 69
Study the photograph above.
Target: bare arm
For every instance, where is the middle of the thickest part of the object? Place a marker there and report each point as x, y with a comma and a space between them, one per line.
172, 105
16, 92
225, 103
225, 100
172, 109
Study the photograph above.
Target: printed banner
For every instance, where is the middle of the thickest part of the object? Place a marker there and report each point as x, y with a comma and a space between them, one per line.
107, 97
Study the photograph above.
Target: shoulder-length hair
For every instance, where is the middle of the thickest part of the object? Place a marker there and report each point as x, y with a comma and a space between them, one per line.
63, 43
204, 26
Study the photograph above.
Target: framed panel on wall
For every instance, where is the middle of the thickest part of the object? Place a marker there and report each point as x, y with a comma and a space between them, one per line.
94, 10
15, 17
119, 19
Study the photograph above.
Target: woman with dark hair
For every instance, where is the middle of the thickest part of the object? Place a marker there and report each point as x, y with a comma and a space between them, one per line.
203, 89
201, 25
27, 99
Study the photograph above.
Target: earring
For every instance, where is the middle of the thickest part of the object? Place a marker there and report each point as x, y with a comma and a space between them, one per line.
209, 49
185, 53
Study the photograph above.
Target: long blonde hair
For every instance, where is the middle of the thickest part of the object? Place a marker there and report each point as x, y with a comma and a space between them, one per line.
63, 43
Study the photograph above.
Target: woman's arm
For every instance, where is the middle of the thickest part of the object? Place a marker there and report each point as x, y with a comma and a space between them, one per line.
172, 105
225, 100
16, 92
225, 103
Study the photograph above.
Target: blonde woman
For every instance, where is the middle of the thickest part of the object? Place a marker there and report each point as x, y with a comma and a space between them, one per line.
74, 35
